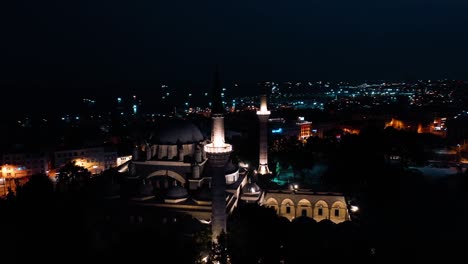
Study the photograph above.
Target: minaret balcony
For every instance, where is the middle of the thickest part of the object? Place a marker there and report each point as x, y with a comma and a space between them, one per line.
210, 148
263, 112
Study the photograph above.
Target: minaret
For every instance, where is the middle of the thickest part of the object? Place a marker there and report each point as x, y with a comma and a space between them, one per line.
263, 115
218, 153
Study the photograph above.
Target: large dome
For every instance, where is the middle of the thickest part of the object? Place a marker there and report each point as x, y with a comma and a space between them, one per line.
174, 131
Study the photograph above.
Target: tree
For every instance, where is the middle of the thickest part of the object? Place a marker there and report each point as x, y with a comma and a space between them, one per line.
38, 188
73, 176
219, 252
254, 235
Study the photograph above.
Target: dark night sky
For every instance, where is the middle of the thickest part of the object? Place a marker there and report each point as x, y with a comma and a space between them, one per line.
105, 44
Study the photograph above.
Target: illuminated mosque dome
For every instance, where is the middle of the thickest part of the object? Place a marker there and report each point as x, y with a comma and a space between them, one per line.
175, 131
251, 188
251, 192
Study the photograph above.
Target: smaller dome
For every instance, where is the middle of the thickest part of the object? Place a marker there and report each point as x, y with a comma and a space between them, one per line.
177, 192
145, 188
251, 188
203, 194
230, 168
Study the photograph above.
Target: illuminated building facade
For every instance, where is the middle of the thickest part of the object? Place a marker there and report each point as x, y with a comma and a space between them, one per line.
305, 128
178, 171
181, 172
18, 165
123, 159
95, 160
9, 171
296, 203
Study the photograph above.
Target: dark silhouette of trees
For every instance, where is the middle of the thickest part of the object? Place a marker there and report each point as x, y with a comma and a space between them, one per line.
253, 235
219, 252
72, 177
38, 189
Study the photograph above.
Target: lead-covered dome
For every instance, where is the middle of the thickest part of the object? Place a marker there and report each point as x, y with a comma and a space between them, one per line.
175, 131
203, 194
251, 188
177, 192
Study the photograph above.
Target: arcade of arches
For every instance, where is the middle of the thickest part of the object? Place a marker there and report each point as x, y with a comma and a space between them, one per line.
318, 207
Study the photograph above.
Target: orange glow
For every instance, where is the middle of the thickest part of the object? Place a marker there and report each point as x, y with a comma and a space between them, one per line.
305, 131
395, 123
13, 171
351, 131
93, 167
420, 129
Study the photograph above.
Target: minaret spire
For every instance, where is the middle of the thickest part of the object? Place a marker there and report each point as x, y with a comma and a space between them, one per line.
217, 107
263, 115
218, 153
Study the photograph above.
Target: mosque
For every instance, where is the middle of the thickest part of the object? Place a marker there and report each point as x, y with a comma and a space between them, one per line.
180, 171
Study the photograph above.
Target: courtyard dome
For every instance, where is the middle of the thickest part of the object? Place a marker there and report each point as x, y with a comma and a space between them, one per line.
203, 194
175, 131
251, 188
230, 168
177, 192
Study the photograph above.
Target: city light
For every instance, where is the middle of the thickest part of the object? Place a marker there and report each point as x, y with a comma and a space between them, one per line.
277, 131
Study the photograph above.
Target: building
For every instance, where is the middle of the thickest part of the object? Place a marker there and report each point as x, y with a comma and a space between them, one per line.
178, 170
305, 128
123, 159
175, 170
95, 159
316, 205
19, 165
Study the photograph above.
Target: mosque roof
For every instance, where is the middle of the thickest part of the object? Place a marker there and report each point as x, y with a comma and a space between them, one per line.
175, 131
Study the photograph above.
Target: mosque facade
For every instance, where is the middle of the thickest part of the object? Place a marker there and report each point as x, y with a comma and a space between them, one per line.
177, 169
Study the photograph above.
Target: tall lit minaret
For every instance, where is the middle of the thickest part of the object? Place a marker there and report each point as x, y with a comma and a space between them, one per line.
218, 153
263, 115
